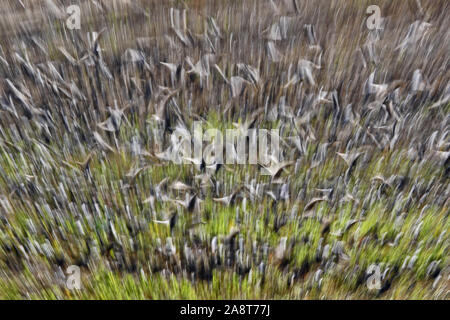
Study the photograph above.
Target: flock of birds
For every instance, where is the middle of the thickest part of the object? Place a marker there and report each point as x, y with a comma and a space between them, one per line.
86, 125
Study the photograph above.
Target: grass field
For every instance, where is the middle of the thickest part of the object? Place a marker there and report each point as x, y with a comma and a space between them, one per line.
86, 123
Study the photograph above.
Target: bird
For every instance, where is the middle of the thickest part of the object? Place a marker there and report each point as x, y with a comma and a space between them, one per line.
176, 71
112, 124
134, 171
418, 82
314, 202
275, 169
282, 252
274, 54
350, 158
370, 88
170, 249
416, 31
180, 186
201, 69
305, 70
102, 143
161, 114
190, 203
83, 165
170, 222
251, 73
232, 235
230, 199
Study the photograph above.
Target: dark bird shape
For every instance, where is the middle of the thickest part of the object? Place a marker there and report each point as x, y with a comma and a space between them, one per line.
190, 203
232, 235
